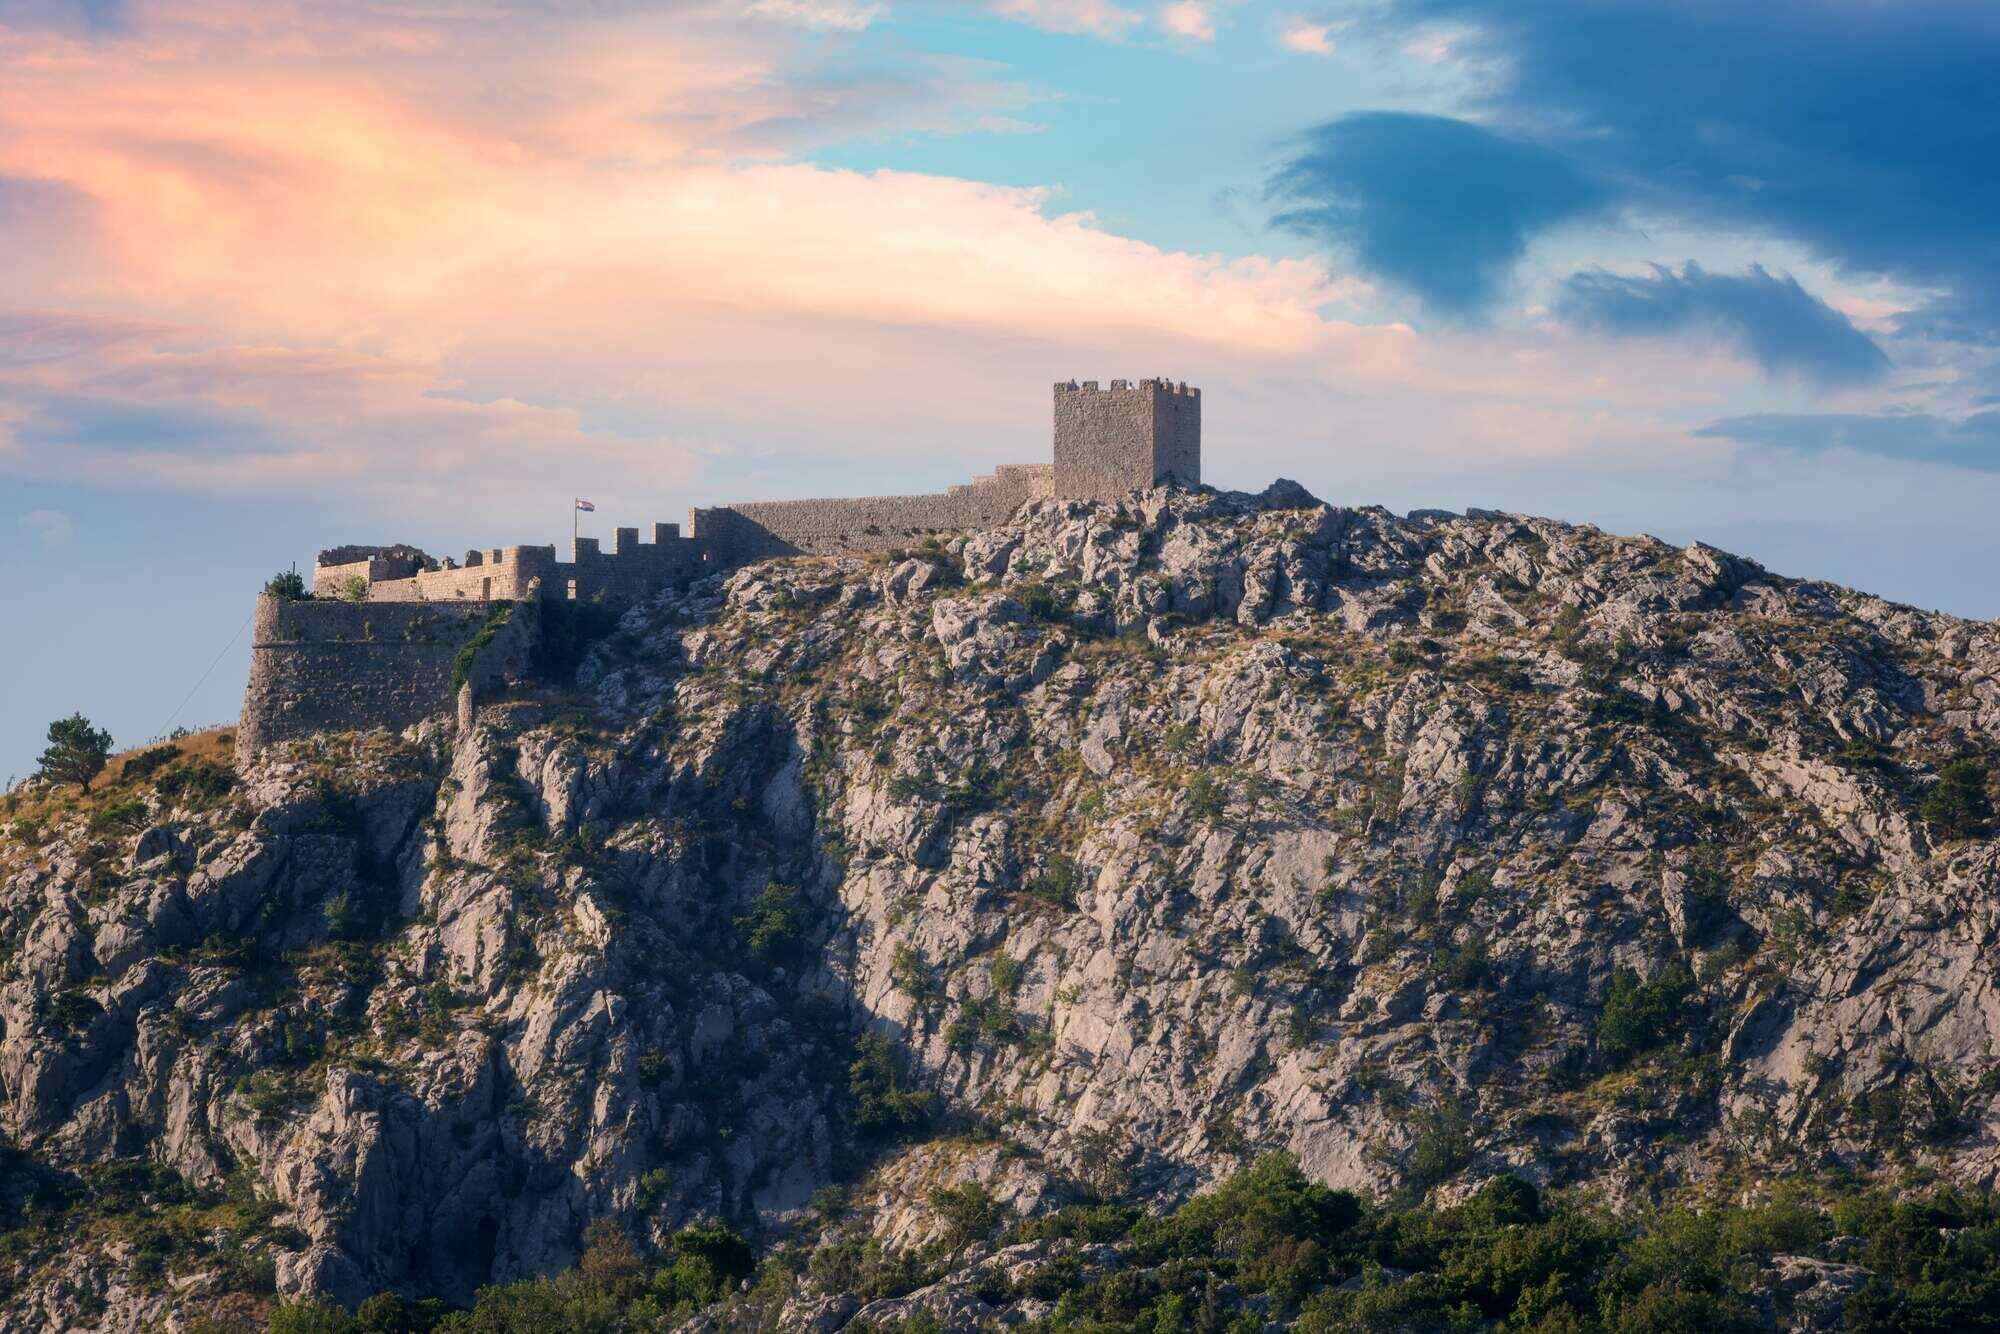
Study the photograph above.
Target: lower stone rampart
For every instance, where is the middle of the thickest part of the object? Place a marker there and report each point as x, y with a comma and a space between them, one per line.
318, 665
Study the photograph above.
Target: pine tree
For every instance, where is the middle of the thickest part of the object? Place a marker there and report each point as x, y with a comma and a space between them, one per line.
77, 751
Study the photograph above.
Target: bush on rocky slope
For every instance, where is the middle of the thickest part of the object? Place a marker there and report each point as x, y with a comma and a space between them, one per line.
1270, 1244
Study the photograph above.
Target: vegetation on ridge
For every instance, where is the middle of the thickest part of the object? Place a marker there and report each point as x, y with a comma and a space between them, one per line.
1272, 1244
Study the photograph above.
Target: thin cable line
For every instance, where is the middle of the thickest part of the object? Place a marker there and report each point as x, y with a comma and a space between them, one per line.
204, 677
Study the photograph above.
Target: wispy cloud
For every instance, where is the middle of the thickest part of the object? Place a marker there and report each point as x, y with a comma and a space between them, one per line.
1774, 321
52, 528
836, 14
1861, 131
1440, 207
1971, 442
1096, 18
1307, 38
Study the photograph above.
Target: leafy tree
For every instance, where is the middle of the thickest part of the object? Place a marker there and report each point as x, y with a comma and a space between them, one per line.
1277, 1222
287, 584
881, 1100
77, 751
969, 1212
1639, 1016
705, 1263
775, 926
1957, 806
1443, 1145
311, 1317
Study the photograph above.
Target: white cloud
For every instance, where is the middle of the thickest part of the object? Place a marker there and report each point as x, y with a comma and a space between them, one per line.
1433, 48
1308, 39
1096, 18
1189, 19
53, 527
835, 14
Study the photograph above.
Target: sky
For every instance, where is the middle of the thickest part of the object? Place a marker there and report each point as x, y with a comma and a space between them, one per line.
281, 276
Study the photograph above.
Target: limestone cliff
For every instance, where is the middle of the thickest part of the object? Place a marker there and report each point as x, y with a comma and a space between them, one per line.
1084, 858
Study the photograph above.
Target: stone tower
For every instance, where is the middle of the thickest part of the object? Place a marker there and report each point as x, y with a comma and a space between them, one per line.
1110, 441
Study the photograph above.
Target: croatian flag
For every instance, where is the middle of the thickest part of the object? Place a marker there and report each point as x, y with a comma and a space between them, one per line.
585, 506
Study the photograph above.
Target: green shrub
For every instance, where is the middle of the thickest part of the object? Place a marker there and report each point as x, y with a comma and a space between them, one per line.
881, 1098
312, 1317
1005, 973
1273, 1220
1206, 798
124, 816
1956, 805
1056, 883
911, 973
468, 653
775, 927
147, 763
1639, 1016
1443, 1146
1505, 1259
289, 585
969, 1211
702, 1264
1041, 602
1465, 965
74, 1009
197, 783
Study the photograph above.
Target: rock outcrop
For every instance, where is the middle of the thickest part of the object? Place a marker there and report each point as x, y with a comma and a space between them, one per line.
1141, 837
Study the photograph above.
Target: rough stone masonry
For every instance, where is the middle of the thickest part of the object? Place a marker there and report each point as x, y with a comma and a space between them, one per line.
325, 665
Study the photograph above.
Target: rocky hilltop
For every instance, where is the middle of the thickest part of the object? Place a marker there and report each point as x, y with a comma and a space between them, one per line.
871, 907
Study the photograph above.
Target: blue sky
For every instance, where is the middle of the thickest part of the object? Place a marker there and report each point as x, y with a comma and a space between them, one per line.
287, 276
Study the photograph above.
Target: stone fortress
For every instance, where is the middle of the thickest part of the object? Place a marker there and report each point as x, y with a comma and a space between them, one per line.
393, 635
1107, 442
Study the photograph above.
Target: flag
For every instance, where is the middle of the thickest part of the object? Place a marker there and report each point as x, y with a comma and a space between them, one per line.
585, 506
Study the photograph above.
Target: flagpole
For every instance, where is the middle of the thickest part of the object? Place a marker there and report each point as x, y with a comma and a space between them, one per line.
573, 529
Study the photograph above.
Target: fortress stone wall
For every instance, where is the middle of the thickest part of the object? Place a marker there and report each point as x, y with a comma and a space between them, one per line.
376, 644
761, 529
319, 665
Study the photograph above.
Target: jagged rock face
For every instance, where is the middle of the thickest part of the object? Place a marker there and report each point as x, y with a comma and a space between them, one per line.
1156, 833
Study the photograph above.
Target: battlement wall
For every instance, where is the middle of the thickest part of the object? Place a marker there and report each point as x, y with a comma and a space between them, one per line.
758, 530
631, 570
319, 665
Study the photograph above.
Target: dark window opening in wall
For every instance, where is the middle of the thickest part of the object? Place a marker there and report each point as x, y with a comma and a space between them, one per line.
486, 589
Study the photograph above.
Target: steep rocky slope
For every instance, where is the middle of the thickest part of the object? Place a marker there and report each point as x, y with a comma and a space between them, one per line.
1086, 858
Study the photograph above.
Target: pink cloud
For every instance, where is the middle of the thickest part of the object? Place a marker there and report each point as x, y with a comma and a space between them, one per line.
435, 259
1096, 18
1307, 38
1189, 19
